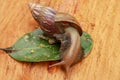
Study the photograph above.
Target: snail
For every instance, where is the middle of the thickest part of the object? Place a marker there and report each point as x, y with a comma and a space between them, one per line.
63, 28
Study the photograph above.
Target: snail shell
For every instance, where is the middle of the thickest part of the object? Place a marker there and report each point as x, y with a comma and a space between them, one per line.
52, 22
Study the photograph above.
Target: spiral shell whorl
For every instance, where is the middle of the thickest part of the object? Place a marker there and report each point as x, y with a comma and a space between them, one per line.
52, 22
45, 16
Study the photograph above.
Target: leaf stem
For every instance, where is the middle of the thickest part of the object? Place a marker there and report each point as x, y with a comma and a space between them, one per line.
8, 50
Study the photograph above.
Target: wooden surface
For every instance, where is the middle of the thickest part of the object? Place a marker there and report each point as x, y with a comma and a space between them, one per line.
100, 18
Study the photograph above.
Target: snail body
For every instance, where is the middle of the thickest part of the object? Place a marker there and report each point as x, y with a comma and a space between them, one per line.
63, 28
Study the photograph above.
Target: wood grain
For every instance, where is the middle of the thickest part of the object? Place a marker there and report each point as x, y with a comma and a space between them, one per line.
100, 18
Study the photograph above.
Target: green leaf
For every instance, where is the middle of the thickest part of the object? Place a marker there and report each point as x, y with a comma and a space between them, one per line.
86, 43
31, 48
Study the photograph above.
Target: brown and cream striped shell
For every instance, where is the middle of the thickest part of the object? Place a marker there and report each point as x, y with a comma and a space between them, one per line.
52, 22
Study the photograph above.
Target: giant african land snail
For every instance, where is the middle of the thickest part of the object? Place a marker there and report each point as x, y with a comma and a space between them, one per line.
63, 28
